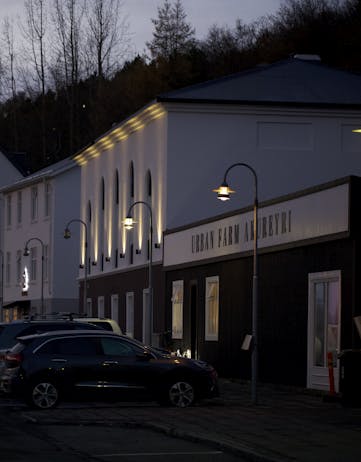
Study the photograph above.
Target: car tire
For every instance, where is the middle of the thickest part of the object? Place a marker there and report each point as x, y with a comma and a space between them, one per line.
43, 394
178, 393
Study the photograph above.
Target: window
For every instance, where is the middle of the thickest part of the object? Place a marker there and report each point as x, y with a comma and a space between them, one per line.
34, 203
116, 188
46, 262
177, 309
47, 202
19, 274
129, 314
20, 208
115, 308
115, 347
148, 184
8, 210
131, 180
100, 307
89, 307
70, 347
33, 263
8, 268
212, 308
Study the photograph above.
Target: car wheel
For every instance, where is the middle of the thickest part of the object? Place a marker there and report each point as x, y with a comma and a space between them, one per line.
43, 395
180, 393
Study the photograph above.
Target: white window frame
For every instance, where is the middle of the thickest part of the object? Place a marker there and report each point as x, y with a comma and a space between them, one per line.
177, 309
114, 307
19, 207
101, 309
34, 203
129, 314
211, 334
8, 210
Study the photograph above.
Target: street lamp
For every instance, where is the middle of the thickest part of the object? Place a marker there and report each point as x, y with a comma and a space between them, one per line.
223, 193
67, 235
128, 224
26, 254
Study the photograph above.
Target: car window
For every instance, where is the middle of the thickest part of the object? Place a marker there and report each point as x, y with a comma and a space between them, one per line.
9, 334
103, 324
70, 347
115, 347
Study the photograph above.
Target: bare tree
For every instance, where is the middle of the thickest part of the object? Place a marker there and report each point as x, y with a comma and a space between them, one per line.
107, 37
34, 32
66, 69
8, 73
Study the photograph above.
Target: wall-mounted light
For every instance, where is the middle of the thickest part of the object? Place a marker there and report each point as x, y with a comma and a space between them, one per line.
157, 245
122, 255
94, 263
129, 222
81, 266
107, 259
138, 251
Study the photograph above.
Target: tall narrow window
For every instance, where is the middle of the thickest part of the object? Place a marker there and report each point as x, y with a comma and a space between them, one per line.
116, 188
115, 307
18, 267
33, 263
20, 207
129, 314
149, 184
47, 201
46, 262
177, 309
8, 268
8, 210
131, 180
34, 203
212, 308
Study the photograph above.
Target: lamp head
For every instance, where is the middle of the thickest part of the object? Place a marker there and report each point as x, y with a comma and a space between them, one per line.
26, 251
224, 192
128, 222
67, 233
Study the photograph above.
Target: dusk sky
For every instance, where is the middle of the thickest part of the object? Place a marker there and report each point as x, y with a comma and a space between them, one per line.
200, 13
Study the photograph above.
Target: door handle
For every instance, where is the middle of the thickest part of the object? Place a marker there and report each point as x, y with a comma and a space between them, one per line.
109, 363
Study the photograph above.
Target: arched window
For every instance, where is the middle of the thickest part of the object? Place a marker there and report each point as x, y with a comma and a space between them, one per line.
131, 180
148, 184
102, 193
116, 187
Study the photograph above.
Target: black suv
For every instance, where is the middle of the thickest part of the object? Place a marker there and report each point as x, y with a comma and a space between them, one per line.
11, 330
42, 369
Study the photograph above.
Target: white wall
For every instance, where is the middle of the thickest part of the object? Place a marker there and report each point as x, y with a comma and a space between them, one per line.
289, 149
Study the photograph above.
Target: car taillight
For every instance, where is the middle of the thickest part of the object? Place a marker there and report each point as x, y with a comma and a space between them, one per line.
13, 359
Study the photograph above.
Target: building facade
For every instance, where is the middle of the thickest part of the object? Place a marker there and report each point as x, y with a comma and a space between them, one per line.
40, 267
309, 267
292, 122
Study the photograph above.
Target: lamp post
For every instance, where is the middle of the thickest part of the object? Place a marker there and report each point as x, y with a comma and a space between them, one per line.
128, 223
67, 235
26, 254
223, 193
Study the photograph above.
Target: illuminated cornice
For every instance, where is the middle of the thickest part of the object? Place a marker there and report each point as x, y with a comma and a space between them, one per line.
121, 132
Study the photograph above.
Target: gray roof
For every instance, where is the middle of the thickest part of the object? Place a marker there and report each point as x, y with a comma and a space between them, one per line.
295, 81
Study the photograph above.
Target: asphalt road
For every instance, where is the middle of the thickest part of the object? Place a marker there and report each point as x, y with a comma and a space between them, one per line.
26, 441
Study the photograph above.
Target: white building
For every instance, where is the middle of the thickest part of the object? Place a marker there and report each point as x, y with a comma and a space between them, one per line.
36, 211
291, 121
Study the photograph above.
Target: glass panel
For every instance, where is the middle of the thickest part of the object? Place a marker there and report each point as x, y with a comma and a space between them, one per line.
319, 345
333, 320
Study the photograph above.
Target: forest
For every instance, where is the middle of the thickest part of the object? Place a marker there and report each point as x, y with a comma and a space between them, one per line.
73, 74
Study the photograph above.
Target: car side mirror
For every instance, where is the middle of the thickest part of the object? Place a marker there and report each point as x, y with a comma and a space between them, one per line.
144, 356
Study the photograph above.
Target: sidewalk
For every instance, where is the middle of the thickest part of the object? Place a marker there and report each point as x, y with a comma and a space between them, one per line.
285, 425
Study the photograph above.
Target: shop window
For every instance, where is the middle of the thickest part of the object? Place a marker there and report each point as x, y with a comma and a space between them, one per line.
177, 309
129, 314
212, 308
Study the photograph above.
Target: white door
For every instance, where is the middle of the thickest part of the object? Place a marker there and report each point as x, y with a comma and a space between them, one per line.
324, 314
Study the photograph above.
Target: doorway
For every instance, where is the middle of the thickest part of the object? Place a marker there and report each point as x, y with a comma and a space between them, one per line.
324, 322
194, 319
